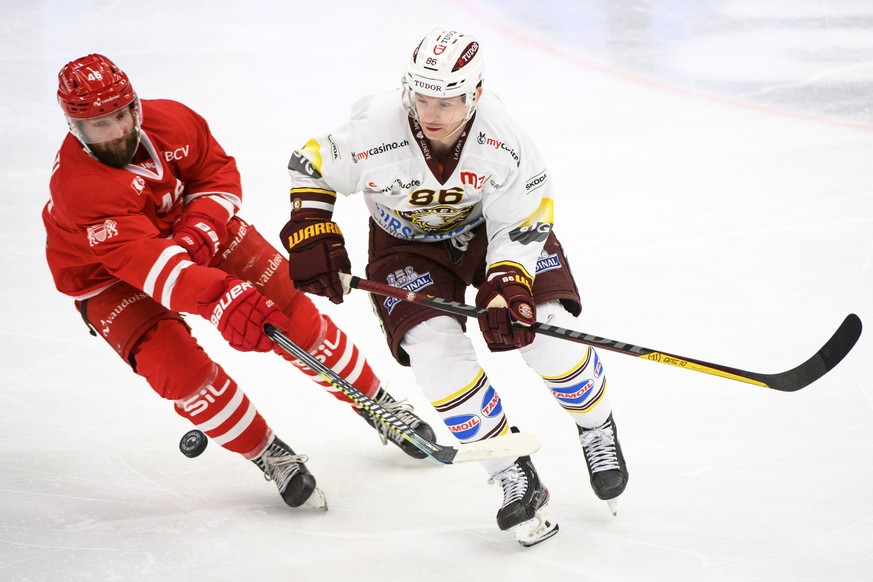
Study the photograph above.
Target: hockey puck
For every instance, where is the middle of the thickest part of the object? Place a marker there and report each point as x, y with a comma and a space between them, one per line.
193, 443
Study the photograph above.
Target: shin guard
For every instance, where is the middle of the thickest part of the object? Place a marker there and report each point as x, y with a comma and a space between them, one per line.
225, 414
445, 366
178, 369
335, 350
572, 372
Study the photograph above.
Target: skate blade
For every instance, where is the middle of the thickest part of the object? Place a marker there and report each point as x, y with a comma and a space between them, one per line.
613, 505
536, 530
317, 500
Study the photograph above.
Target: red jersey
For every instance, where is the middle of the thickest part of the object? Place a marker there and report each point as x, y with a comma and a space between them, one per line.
104, 224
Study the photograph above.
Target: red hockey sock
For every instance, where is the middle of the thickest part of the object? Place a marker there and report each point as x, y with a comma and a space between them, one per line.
335, 350
223, 411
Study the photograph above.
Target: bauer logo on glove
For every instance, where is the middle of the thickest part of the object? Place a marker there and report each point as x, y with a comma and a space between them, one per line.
207, 230
226, 300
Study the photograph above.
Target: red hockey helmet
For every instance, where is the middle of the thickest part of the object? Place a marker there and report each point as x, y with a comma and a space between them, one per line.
92, 86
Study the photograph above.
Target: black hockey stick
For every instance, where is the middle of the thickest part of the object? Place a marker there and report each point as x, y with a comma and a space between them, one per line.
510, 445
792, 380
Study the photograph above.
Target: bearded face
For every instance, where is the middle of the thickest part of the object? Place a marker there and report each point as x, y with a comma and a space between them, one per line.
111, 138
117, 153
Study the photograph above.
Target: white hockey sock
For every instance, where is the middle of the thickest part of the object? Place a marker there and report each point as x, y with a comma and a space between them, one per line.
572, 371
444, 362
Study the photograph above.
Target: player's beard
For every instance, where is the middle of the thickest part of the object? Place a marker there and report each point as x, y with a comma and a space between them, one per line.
117, 153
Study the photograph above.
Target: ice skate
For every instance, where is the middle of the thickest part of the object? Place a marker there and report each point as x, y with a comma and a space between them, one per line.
402, 410
295, 483
525, 503
605, 461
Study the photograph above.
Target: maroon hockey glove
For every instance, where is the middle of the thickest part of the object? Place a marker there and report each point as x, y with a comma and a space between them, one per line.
506, 295
316, 254
239, 312
200, 235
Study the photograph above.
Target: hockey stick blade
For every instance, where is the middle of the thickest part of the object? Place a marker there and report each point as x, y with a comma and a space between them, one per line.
510, 445
824, 360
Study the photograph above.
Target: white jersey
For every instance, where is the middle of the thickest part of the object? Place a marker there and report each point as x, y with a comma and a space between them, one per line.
494, 175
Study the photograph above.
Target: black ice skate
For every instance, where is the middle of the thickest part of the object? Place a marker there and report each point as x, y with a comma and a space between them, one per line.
295, 483
525, 503
402, 410
605, 461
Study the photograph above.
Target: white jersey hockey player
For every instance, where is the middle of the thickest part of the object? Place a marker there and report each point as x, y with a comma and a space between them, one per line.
458, 195
413, 195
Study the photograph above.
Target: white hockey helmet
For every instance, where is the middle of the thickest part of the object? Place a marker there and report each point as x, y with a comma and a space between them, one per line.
446, 63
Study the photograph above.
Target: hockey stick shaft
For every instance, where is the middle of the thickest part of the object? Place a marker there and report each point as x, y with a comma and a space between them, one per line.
836, 348
511, 445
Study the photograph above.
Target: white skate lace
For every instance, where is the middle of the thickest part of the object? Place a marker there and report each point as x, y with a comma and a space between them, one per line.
599, 446
279, 466
462, 241
514, 483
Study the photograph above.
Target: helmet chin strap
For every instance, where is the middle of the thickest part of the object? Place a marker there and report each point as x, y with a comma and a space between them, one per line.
470, 109
457, 129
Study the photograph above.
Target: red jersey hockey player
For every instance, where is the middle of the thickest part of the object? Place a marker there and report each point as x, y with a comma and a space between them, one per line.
141, 226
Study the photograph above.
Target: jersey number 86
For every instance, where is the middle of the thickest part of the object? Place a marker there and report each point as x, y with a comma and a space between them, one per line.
426, 197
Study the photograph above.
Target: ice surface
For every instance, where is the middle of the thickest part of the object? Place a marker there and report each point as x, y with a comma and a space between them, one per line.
715, 163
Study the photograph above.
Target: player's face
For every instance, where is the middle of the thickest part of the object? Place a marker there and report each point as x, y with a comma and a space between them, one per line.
440, 117
112, 138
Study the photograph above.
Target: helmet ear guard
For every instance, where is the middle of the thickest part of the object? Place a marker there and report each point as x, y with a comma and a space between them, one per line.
446, 63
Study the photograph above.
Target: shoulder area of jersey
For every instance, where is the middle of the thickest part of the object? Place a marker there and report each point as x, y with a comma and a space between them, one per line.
494, 121
490, 104
377, 103
157, 109
81, 186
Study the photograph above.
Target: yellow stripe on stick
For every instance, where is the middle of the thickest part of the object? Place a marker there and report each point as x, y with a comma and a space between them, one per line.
680, 363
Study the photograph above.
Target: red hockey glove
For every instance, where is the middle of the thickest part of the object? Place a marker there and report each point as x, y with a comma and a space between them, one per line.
200, 235
506, 295
239, 312
317, 253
